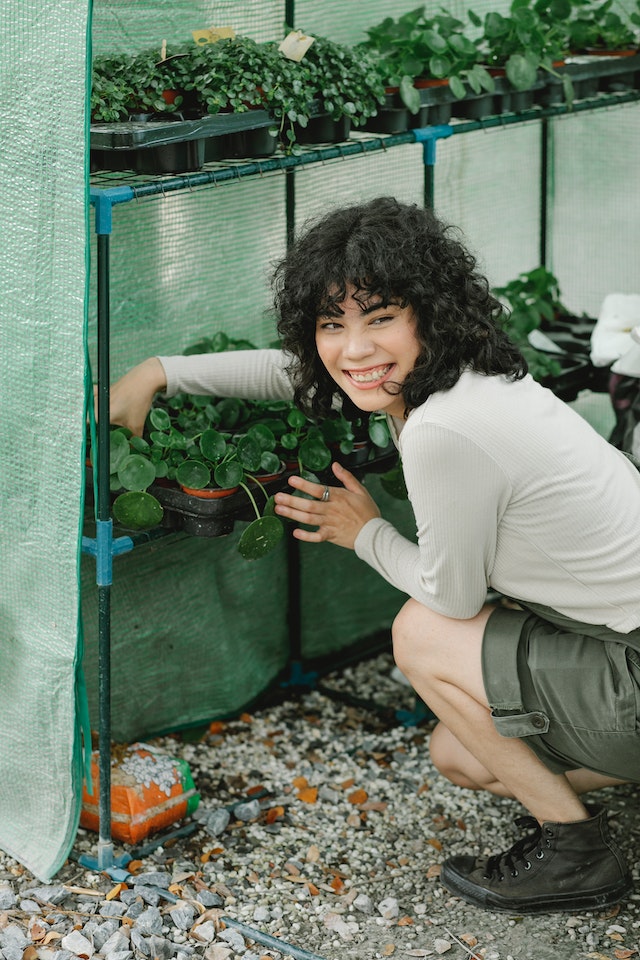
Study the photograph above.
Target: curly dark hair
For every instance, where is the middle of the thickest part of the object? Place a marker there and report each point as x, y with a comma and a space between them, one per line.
397, 253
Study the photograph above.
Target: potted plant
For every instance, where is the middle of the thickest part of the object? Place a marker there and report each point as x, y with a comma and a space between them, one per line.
182, 448
596, 29
112, 93
239, 74
417, 51
530, 40
346, 85
534, 303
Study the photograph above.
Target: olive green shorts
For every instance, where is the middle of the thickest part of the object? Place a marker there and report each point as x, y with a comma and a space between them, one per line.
569, 690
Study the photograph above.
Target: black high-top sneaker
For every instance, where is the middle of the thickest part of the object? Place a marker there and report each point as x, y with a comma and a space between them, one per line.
558, 866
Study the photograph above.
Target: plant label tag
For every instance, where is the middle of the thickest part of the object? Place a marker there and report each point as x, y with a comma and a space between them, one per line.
295, 45
212, 35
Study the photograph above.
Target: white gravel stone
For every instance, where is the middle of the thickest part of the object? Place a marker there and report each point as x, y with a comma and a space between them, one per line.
74, 942
347, 851
389, 908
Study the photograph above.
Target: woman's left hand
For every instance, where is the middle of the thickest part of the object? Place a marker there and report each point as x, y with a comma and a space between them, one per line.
339, 518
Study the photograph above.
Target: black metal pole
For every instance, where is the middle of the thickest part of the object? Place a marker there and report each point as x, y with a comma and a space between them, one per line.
105, 845
544, 189
289, 13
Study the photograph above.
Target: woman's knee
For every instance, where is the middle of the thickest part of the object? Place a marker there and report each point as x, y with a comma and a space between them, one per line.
411, 635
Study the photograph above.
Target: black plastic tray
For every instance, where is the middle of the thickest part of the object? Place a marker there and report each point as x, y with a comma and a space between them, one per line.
136, 134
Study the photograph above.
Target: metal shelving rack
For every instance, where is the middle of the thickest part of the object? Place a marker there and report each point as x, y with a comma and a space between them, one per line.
113, 189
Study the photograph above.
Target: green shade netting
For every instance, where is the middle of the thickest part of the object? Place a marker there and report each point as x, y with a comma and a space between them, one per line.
42, 305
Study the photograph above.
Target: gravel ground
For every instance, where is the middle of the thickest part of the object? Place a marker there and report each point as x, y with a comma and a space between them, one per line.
320, 833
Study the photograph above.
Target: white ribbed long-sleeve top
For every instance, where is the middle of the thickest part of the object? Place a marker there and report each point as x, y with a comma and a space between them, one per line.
511, 489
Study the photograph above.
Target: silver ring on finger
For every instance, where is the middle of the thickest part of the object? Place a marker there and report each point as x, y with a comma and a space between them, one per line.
325, 494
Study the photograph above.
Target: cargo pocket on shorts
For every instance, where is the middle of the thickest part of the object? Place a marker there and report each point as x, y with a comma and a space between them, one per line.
625, 673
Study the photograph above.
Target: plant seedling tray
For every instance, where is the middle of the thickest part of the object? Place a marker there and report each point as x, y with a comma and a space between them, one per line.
141, 134
167, 146
590, 74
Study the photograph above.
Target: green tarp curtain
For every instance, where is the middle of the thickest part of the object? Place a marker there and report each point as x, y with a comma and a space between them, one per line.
43, 212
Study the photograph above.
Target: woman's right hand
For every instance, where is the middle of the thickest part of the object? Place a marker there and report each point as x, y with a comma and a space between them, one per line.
132, 395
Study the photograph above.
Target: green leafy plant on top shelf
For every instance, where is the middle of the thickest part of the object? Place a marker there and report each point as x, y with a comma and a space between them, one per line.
241, 74
112, 93
345, 81
124, 86
430, 47
532, 37
533, 299
596, 26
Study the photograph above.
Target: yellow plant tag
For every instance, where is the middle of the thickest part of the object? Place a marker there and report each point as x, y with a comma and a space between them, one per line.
212, 35
295, 45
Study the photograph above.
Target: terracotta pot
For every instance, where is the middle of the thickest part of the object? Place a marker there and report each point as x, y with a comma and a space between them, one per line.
267, 477
209, 493
422, 82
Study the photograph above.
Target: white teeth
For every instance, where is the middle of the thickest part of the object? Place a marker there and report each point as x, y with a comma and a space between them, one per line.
371, 376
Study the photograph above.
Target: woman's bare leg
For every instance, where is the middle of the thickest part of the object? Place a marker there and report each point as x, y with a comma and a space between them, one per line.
441, 658
460, 767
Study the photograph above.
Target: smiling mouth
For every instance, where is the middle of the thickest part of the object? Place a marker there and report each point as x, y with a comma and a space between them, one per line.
369, 377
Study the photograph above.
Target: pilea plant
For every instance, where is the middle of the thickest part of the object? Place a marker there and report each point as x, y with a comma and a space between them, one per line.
181, 444
532, 37
430, 47
533, 299
596, 26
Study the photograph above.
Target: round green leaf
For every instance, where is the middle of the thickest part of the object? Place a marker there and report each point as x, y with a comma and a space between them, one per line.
136, 472
457, 88
263, 436
521, 72
379, 433
193, 474
434, 41
289, 441
137, 511
269, 462
118, 450
249, 453
296, 419
229, 410
393, 483
314, 454
140, 445
228, 475
213, 445
160, 419
260, 538
159, 439
409, 95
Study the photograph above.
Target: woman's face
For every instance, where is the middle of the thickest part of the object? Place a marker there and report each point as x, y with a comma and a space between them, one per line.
367, 346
